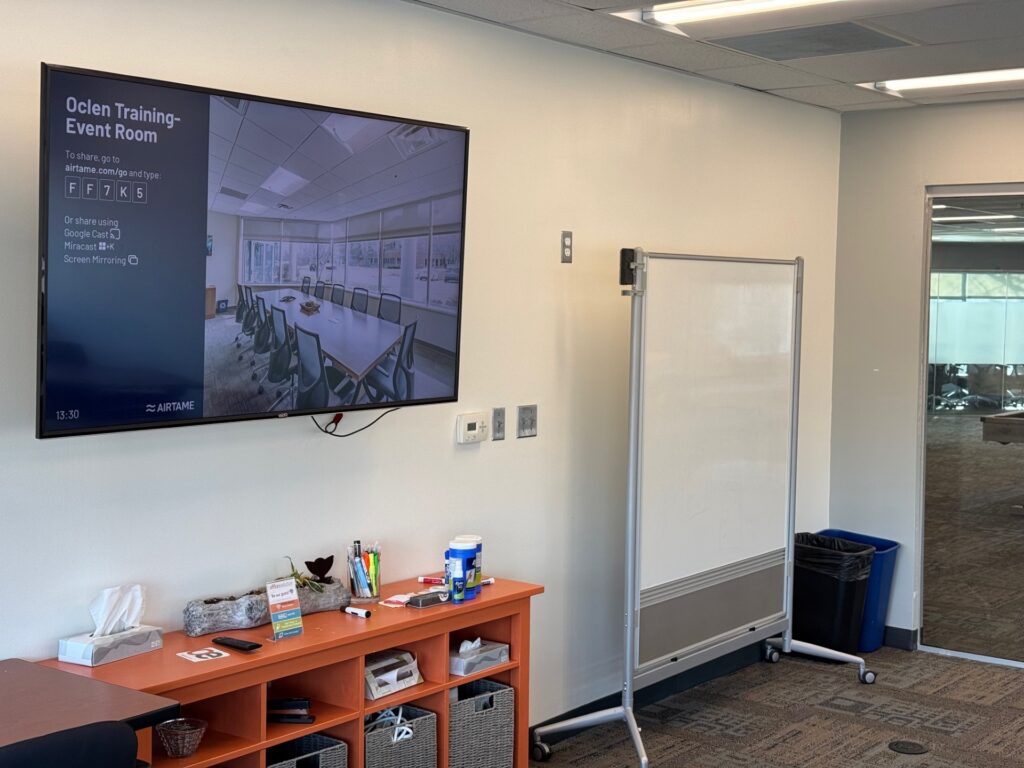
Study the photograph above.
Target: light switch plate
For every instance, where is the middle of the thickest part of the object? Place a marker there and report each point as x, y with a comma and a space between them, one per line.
498, 424
526, 421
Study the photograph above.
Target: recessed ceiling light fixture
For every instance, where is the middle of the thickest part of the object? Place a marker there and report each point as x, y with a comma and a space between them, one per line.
961, 80
999, 217
706, 10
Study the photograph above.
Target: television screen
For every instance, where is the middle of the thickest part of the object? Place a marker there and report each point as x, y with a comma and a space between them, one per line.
210, 256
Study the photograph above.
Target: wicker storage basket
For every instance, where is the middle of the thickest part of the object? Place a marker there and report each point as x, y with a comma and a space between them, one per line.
420, 751
314, 751
481, 726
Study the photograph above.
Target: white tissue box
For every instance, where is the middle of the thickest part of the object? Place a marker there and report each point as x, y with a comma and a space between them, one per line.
487, 655
92, 651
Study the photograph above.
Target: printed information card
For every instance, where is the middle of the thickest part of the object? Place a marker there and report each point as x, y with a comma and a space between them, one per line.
285, 614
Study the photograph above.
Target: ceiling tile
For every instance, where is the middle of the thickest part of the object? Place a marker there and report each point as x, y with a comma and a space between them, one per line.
917, 61
503, 11
261, 143
689, 56
303, 166
224, 120
323, 148
220, 147
288, 124
832, 95
597, 30
247, 161
766, 77
973, 21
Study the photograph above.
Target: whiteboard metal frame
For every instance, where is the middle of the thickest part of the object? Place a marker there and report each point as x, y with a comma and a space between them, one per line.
774, 624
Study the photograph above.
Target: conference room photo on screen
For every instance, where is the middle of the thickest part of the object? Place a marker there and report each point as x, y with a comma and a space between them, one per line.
211, 256
339, 237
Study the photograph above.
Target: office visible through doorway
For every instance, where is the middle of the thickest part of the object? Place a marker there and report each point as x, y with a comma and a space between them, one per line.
973, 586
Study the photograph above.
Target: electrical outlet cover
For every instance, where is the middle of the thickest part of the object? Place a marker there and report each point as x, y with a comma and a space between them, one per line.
526, 421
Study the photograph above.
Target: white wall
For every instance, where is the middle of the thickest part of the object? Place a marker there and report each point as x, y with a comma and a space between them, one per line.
222, 267
888, 158
562, 138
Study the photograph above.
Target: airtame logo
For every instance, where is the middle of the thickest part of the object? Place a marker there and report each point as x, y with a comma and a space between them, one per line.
171, 405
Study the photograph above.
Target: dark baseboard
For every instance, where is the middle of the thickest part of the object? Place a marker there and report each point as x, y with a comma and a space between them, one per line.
898, 637
725, 665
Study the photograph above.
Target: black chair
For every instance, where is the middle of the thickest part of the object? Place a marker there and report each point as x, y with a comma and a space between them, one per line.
240, 307
282, 366
338, 294
98, 745
360, 299
263, 338
318, 291
390, 308
305, 285
249, 324
394, 378
240, 311
316, 381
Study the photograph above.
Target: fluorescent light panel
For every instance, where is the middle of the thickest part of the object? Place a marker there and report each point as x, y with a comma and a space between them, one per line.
688, 13
999, 217
948, 81
1007, 229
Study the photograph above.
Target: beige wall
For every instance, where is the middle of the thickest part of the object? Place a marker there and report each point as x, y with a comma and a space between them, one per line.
222, 267
620, 153
888, 159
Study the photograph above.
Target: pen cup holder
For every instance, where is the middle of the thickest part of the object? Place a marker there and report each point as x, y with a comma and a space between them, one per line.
364, 577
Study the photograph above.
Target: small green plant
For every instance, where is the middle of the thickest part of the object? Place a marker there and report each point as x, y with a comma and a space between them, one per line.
302, 579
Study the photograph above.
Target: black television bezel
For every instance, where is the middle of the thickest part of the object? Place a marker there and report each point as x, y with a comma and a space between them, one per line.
44, 192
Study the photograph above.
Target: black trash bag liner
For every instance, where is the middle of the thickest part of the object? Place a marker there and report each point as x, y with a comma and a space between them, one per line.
838, 558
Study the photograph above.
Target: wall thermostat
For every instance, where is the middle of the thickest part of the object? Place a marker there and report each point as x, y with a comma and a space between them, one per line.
472, 427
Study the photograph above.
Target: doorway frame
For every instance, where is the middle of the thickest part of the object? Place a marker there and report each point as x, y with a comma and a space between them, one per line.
931, 193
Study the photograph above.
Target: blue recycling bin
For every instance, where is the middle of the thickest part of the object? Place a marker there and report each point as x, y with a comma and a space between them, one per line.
876, 604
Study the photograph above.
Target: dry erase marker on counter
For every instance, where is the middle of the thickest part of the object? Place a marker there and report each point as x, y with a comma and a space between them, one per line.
363, 613
430, 579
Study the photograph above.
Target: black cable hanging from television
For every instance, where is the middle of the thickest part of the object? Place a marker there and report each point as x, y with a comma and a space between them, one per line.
328, 429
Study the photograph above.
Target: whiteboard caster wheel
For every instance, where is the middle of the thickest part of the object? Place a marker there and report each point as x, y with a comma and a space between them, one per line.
867, 677
540, 752
772, 655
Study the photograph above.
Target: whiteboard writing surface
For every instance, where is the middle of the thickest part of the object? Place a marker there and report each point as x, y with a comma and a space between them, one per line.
716, 416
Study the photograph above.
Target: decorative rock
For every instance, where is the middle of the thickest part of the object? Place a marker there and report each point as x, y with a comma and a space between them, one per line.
218, 614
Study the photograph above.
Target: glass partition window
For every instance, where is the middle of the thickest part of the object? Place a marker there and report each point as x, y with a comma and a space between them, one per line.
413, 251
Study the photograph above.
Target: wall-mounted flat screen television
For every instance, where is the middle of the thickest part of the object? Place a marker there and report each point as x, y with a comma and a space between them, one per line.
211, 256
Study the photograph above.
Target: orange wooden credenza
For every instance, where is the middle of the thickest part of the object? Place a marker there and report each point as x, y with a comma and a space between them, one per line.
325, 663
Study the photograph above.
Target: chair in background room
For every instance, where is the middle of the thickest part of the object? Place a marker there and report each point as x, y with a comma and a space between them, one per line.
262, 339
240, 309
393, 379
282, 366
318, 290
360, 299
305, 285
316, 381
390, 308
98, 745
249, 323
338, 294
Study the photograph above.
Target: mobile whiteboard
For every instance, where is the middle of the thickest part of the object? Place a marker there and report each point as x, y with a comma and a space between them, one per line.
718, 343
